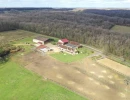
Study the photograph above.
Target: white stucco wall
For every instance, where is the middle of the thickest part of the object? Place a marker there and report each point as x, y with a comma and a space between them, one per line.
36, 41
60, 41
44, 50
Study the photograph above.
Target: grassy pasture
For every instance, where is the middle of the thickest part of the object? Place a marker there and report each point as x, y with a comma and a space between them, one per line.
17, 83
25, 43
68, 58
121, 29
24, 40
18, 38
6, 37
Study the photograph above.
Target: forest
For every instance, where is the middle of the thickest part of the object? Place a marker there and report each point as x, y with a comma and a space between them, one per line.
111, 13
87, 27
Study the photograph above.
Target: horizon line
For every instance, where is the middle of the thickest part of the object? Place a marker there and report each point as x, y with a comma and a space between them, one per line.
71, 7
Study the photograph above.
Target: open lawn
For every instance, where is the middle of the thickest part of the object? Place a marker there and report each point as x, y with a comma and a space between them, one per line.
68, 58
121, 29
6, 37
18, 38
25, 43
17, 83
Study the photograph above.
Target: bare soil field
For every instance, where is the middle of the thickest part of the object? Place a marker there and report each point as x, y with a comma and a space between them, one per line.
84, 77
115, 65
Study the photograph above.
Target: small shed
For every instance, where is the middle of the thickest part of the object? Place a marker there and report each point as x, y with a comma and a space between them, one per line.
43, 48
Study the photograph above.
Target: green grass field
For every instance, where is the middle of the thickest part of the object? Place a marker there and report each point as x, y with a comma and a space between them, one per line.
17, 83
25, 40
121, 29
68, 58
15, 35
24, 44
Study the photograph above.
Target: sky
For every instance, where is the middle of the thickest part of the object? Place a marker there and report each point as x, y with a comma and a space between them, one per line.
66, 3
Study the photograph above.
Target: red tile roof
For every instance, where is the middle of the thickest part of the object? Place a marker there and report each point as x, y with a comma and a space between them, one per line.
41, 47
64, 40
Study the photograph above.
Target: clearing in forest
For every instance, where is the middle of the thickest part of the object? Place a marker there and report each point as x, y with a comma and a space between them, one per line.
121, 29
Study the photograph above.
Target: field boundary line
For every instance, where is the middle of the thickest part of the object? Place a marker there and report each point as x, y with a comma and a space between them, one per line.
103, 81
87, 97
111, 69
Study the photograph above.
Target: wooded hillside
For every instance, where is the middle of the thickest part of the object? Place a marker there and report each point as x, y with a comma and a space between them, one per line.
87, 28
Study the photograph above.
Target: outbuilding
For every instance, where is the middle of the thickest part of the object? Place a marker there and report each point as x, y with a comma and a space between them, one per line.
43, 48
41, 40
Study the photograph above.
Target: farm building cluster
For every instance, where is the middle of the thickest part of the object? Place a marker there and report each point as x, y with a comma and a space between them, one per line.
40, 44
63, 45
68, 46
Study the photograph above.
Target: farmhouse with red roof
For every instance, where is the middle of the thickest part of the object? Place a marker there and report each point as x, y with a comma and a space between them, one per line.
69, 47
63, 42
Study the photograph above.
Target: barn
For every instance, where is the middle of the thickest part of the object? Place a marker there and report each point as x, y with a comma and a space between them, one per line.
41, 40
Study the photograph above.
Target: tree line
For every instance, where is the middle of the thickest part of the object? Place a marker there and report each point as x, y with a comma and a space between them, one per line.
119, 17
112, 13
6, 26
6, 50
